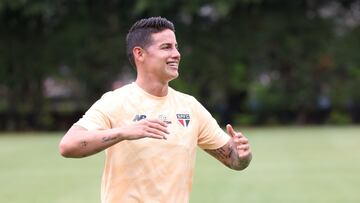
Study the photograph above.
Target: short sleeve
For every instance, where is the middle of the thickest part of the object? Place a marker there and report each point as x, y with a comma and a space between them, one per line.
98, 116
211, 136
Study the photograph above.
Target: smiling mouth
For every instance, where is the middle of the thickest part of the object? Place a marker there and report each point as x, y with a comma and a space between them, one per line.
173, 64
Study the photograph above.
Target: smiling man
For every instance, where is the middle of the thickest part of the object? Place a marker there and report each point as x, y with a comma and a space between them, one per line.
150, 131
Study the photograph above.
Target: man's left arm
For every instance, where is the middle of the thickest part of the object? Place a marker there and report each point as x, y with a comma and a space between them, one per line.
236, 153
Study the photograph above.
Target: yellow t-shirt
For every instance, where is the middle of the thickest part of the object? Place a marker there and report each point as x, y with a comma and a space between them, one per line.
152, 170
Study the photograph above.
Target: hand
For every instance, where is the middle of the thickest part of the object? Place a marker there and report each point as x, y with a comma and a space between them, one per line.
241, 143
152, 128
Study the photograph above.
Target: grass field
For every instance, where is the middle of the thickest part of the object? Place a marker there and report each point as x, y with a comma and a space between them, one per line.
290, 164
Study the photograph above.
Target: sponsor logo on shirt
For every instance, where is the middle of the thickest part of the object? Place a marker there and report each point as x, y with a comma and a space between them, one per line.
164, 119
139, 117
184, 119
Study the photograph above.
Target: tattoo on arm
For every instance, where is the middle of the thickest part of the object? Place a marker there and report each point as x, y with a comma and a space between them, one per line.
83, 143
108, 139
225, 154
229, 156
222, 154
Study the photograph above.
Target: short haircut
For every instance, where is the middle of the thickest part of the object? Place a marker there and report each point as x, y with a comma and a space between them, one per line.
140, 33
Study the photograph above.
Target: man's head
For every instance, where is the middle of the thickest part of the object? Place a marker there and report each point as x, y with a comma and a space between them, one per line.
140, 33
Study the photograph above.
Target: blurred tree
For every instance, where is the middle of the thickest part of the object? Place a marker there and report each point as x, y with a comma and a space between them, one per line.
283, 61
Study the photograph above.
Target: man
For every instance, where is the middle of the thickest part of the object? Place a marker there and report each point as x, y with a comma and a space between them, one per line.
148, 130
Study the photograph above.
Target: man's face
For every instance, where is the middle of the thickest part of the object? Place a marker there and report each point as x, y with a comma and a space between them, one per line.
162, 57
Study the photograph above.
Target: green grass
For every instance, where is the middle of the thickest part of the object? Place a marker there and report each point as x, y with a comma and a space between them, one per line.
290, 164
32, 171
304, 165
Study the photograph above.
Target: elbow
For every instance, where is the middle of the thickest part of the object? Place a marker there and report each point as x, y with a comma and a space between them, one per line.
69, 146
65, 150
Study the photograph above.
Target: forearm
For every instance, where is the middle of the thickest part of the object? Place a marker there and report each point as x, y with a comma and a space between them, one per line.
79, 142
229, 156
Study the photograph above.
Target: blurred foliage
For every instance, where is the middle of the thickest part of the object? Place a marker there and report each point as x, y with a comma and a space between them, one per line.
270, 61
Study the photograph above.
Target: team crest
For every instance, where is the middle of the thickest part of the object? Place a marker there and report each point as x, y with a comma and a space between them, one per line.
184, 119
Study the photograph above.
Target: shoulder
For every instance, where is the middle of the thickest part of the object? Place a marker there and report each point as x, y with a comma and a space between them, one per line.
124, 89
112, 98
119, 92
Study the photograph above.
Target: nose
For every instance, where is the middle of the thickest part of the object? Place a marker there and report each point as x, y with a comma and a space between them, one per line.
176, 54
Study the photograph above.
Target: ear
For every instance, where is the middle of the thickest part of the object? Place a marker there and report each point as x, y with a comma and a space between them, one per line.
138, 54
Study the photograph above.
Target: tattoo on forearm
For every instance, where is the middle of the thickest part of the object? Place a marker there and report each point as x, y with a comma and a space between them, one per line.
228, 156
83, 144
222, 154
108, 139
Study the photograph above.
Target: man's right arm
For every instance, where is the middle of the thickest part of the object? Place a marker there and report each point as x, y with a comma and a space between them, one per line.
79, 142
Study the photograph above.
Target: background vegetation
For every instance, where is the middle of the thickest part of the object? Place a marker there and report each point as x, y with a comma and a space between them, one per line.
247, 61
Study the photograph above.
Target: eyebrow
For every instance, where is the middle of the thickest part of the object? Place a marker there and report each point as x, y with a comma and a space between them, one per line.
167, 44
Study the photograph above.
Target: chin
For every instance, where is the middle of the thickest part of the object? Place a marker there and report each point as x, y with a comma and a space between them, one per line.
173, 76
173, 73
176, 75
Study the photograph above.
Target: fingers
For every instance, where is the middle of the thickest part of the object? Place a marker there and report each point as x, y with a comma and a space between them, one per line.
155, 133
243, 147
241, 139
154, 128
157, 121
157, 124
241, 142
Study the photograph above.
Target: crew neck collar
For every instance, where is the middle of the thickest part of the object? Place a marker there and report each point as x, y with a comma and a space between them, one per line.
150, 95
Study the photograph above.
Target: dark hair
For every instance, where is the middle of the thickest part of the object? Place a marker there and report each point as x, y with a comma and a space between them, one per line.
140, 33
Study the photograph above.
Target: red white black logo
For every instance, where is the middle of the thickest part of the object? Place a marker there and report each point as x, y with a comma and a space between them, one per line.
184, 119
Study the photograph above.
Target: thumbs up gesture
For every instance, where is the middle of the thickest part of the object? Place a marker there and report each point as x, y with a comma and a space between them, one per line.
241, 143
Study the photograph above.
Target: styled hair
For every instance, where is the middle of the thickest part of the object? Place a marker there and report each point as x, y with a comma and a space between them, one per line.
140, 33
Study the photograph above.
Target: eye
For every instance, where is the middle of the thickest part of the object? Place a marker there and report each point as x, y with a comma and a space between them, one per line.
166, 47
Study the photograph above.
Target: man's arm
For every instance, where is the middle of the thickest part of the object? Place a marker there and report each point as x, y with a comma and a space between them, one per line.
79, 142
236, 153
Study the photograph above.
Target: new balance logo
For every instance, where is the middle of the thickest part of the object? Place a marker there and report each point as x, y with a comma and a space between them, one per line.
139, 117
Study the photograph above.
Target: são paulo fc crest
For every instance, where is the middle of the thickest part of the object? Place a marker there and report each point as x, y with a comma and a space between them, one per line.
184, 119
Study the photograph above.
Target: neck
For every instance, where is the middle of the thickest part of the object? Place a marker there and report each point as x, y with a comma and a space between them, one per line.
155, 88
